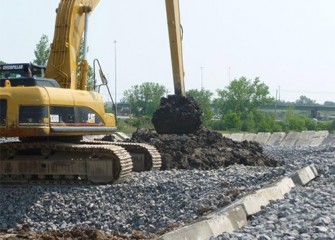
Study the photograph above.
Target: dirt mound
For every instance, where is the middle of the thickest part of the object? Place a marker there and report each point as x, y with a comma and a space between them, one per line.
203, 150
177, 115
74, 234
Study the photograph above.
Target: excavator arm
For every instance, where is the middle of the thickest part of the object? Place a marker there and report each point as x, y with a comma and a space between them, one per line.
175, 37
177, 114
70, 25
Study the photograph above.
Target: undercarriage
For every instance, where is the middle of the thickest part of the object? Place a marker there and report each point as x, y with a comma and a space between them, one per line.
84, 162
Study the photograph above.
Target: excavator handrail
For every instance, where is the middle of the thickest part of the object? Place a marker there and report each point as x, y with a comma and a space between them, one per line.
104, 82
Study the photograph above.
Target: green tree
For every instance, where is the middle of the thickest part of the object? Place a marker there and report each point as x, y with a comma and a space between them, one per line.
293, 121
303, 100
249, 124
2, 62
310, 124
144, 99
232, 121
203, 98
266, 122
329, 103
243, 96
42, 51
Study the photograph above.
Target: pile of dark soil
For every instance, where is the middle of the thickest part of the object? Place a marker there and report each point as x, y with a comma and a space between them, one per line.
177, 114
203, 150
74, 234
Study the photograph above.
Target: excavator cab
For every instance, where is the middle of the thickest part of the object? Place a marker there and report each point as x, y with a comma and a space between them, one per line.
24, 74
21, 69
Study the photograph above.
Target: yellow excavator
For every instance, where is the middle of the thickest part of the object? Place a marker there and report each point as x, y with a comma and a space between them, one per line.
49, 110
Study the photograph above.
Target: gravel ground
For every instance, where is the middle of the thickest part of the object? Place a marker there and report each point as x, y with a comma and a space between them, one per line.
152, 202
149, 202
307, 212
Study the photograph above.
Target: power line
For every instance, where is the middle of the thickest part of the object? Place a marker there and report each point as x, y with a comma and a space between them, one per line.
303, 91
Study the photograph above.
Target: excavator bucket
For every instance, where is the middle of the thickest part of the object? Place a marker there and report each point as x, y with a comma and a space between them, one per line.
177, 114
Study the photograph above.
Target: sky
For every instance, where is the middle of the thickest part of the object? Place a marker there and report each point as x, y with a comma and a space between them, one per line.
288, 44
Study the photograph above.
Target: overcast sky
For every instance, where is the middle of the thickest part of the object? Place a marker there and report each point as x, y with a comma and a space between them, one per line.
289, 44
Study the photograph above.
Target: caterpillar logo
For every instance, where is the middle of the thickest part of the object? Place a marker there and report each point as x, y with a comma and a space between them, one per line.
12, 67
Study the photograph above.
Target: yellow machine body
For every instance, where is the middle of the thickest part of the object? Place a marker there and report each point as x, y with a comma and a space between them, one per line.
46, 111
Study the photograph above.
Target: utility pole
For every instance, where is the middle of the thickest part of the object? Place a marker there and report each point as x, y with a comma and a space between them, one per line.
201, 69
229, 74
276, 102
115, 77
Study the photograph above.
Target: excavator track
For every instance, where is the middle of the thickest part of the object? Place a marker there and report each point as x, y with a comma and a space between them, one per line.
55, 162
144, 156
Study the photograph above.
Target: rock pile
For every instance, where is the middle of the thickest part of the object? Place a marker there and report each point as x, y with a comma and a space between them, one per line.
307, 212
148, 202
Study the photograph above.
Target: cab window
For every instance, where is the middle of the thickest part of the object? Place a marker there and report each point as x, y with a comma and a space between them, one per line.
33, 115
3, 111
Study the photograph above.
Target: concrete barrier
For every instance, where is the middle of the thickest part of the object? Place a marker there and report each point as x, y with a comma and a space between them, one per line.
198, 231
271, 193
229, 219
235, 215
318, 138
290, 139
227, 135
249, 137
285, 185
304, 176
262, 137
253, 203
237, 136
305, 138
276, 138
226, 220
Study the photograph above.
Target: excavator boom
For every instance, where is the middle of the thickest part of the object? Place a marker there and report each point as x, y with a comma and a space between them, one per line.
175, 37
69, 28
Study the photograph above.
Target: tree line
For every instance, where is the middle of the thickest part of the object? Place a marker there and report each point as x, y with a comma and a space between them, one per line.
236, 107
